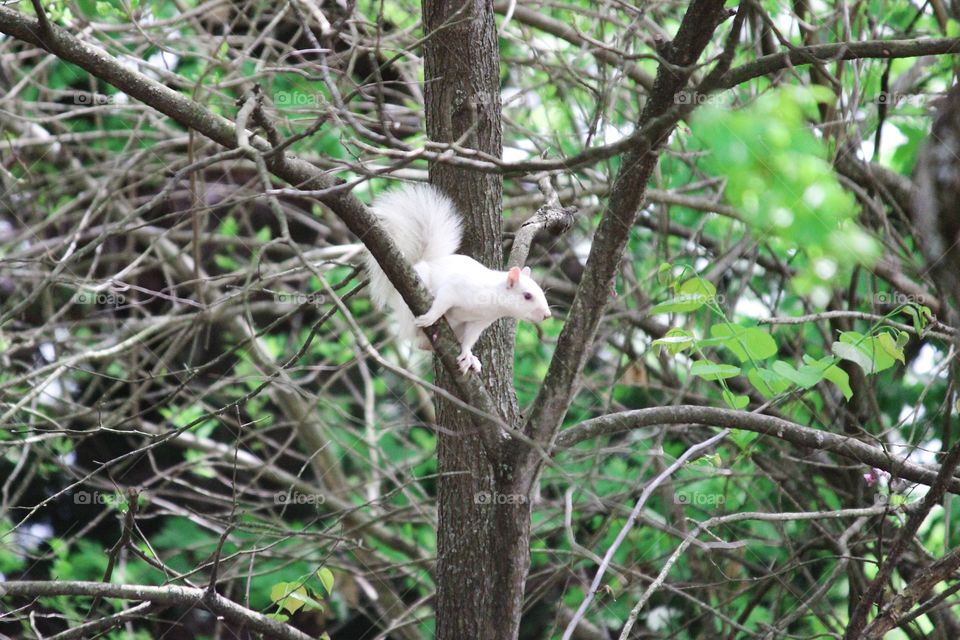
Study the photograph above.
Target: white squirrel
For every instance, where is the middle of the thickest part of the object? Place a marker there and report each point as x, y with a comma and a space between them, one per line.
427, 228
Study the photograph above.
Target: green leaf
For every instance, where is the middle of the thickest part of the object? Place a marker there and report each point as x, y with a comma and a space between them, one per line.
839, 377
229, 226
891, 347
665, 273
873, 354
290, 596
804, 377
853, 354
915, 317
675, 341
279, 591
747, 343
902, 339
679, 304
767, 382
326, 579
760, 344
833, 373
735, 401
713, 371
697, 286
779, 177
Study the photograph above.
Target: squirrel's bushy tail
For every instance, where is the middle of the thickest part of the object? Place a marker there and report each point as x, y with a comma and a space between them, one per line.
425, 226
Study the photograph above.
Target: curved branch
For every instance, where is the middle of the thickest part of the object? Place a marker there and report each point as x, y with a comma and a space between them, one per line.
838, 51
768, 425
169, 595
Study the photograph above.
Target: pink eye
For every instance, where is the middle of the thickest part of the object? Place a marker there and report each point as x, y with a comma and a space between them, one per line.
528, 296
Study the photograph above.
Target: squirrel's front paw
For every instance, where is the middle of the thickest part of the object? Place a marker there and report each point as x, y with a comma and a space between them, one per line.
468, 362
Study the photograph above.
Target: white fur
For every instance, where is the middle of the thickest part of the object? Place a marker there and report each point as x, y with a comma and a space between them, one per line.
426, 227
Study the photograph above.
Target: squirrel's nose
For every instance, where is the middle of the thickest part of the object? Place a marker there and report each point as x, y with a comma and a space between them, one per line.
546, 314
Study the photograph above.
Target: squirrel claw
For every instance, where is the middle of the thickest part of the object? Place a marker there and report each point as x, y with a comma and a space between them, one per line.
468, 362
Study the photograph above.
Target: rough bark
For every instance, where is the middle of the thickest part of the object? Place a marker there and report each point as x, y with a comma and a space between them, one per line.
484, 548
483, 545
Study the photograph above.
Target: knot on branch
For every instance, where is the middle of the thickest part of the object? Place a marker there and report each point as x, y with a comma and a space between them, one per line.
554, 219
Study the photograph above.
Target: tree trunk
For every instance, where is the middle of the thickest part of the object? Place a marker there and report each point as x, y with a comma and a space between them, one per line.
484, 496
484, 507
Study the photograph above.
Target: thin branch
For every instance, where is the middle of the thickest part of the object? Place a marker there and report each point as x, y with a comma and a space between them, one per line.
170, 595
948, 332
628, 525
895, 611
905, 537
768, 425
883, 49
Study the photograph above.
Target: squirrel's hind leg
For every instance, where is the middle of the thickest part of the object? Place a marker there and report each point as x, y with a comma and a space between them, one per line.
469, 333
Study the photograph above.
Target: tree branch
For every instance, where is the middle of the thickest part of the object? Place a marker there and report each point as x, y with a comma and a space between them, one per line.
169, 595
885, 49
892, 614
551, 216
905, 537
768, 425
536, 19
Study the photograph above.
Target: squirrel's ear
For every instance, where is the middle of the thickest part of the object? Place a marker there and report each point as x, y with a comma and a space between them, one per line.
526, 271
513, 277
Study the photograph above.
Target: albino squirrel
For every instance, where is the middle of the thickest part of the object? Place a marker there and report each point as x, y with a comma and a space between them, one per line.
427, 229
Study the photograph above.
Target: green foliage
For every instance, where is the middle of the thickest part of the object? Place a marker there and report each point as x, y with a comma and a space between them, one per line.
294, 596
779, 179
874, 353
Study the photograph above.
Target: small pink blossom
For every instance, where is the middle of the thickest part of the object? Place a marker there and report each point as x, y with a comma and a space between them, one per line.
874, 476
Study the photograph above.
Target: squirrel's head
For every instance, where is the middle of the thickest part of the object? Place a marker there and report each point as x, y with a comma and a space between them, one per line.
527, 301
